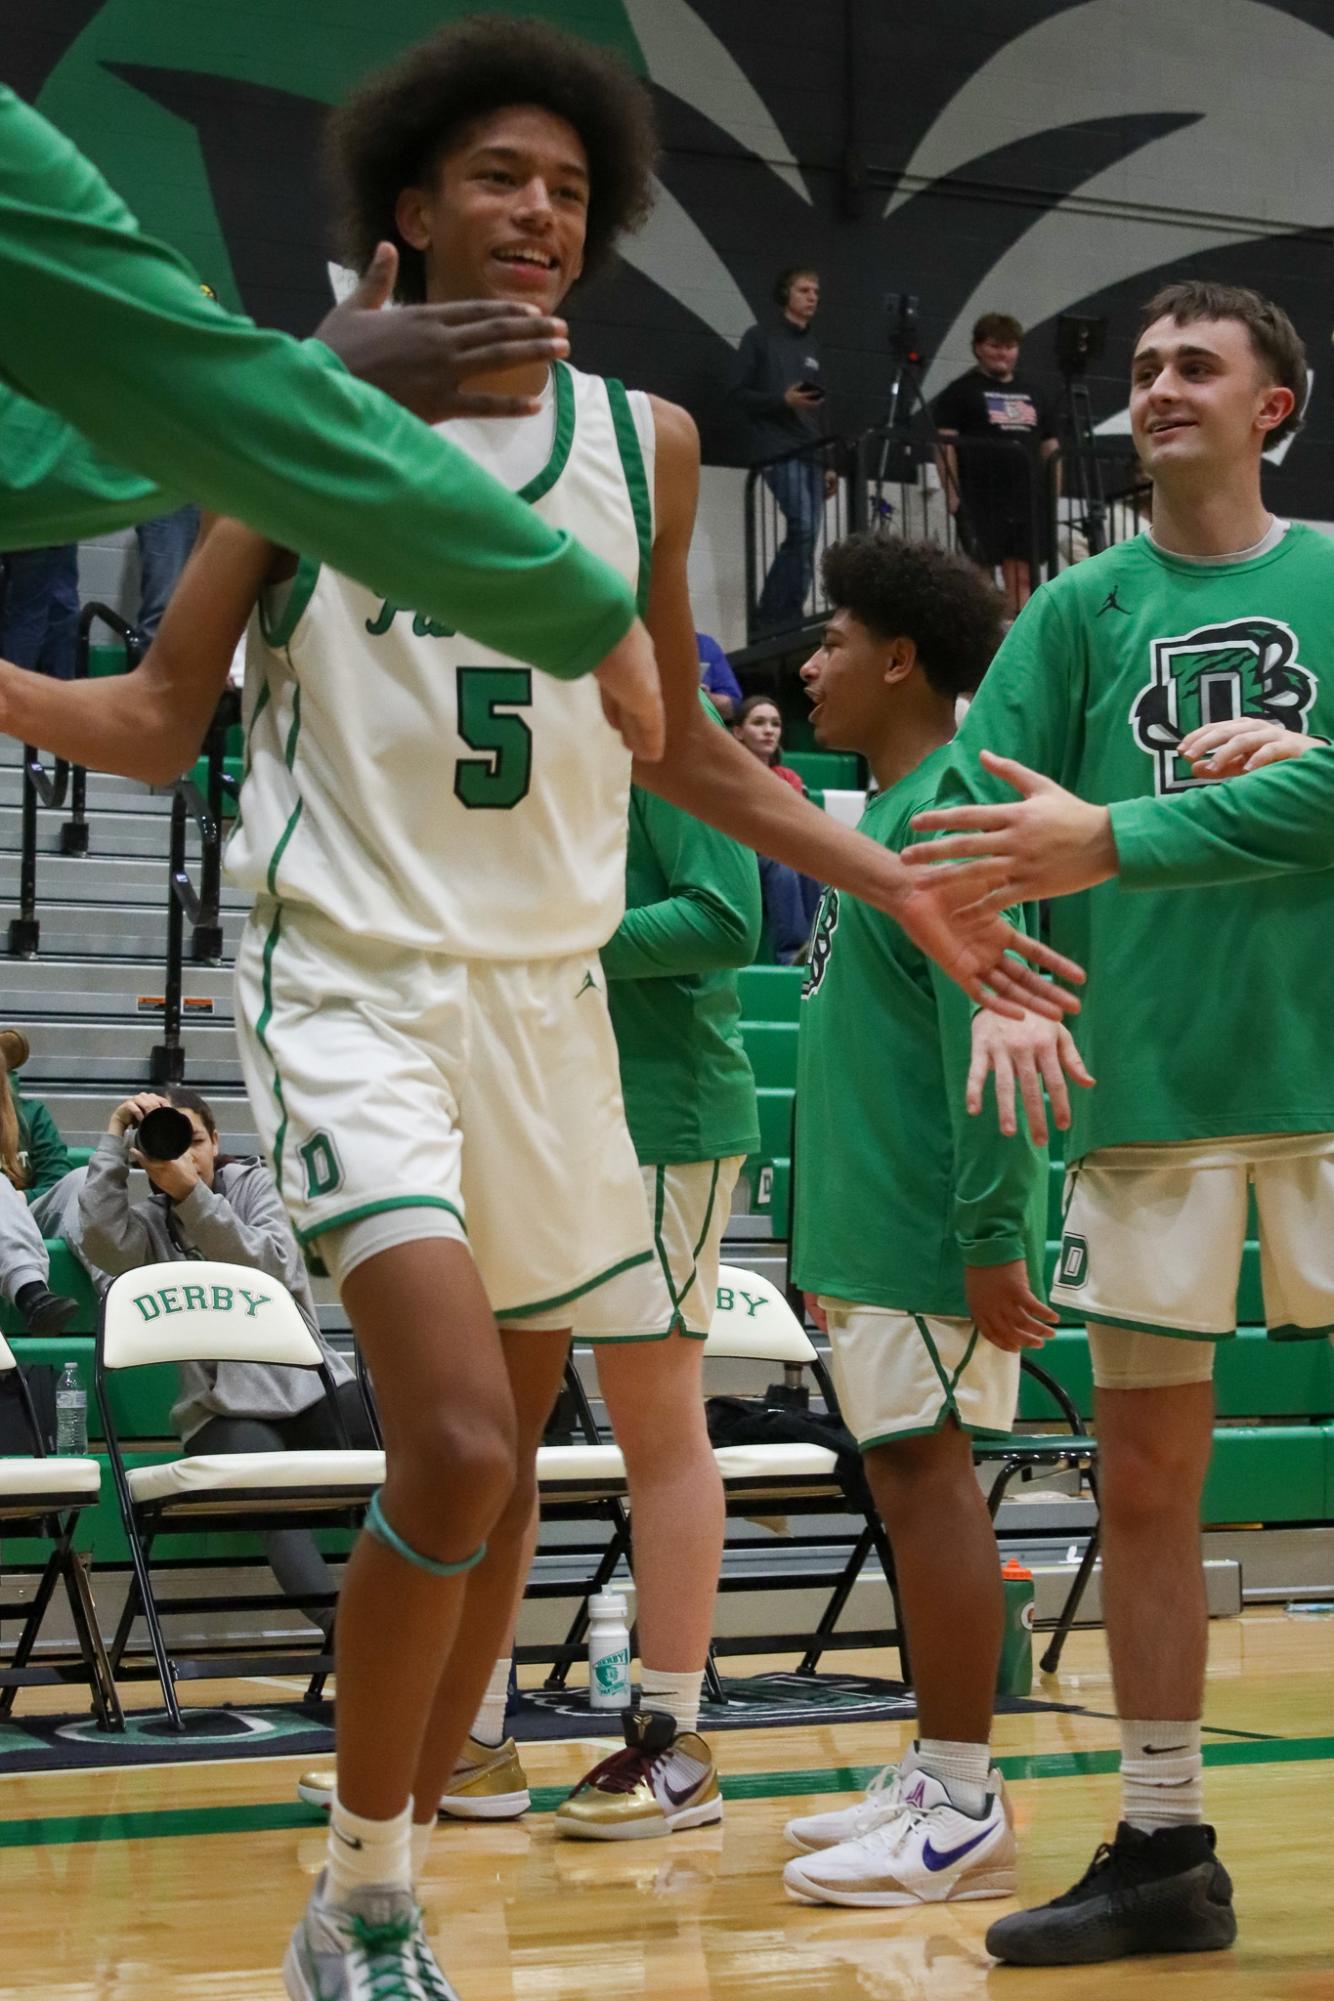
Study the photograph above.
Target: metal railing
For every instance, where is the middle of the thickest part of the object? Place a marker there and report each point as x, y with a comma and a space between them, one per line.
199, 907
50, 788
797, 504
1100, 495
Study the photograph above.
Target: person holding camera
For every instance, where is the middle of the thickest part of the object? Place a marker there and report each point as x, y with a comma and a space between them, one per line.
777, 384
995, 495
39, 1186
205, 1204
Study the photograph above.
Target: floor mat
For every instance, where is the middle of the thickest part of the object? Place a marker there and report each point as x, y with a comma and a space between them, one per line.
290, 1729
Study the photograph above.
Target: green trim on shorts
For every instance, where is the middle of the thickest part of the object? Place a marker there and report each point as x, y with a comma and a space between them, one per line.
659, 1203
562, 439
349, 1216
678, 1327
577, 1292
1148, 1327
636, 480
262, 1038
1290, 1332
281, 629
271, 876
979, 1433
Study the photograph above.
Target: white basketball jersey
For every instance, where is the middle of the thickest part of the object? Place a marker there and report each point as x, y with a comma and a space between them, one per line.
413, 785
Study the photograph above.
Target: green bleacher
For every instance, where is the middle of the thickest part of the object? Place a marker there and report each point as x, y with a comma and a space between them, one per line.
830, 770
1273, 1456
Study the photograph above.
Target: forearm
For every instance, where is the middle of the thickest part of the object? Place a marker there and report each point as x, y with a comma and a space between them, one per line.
109, 329
111, 1235
709, 774
682, 935
1277, 821
210, 1225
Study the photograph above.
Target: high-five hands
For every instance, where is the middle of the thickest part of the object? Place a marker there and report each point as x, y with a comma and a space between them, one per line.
1048, 843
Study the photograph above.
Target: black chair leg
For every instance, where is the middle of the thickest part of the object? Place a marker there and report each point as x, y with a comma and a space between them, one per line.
838, 1598
31, 1626
1078, 1585
139, 1558
106, 1700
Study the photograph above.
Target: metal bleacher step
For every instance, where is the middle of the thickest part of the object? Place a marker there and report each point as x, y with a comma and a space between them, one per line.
110, 990
82, 1112
105, 793
138, 880
83, 1049
94, 930
124, 829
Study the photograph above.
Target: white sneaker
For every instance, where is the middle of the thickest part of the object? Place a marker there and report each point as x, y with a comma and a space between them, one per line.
880, 1802
372, 1948
926, 1853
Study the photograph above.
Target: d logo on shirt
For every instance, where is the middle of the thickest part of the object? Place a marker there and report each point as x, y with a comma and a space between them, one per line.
1218, 674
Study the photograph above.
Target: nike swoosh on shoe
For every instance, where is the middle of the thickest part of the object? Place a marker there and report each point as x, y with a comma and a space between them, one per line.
936, 1860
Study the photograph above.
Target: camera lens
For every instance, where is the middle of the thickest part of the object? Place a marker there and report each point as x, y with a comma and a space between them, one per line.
164, 1133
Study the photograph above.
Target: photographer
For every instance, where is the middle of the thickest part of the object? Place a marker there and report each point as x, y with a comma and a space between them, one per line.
776, 382
205, 1205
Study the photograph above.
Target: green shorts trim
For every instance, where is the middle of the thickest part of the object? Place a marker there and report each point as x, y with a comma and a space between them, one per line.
1290, 1333
678, 1327
506, 1313
358, 1215
1150, 1327
977, 1432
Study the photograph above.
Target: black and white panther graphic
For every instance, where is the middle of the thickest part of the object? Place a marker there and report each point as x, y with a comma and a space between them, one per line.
822, 943
1218, 674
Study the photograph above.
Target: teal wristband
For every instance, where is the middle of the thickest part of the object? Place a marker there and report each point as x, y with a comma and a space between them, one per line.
380, 1529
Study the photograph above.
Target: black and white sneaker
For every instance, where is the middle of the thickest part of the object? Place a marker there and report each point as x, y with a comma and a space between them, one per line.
1145, 1893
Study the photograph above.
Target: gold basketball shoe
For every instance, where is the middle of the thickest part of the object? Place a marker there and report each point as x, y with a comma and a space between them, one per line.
489, 1783
661, 1782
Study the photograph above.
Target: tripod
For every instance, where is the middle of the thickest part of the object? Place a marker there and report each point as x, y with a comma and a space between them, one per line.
905, 403
1084, 463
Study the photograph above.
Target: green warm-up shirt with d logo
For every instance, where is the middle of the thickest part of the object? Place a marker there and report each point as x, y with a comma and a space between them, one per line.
1207, 1011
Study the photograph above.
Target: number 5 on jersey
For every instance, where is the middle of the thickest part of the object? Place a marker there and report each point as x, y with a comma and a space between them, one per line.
487, 697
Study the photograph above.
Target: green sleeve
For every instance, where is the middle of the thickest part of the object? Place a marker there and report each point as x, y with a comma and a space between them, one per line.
709, 919
1277, 821
1025, 707
108, 330
997, 1181
48, 1156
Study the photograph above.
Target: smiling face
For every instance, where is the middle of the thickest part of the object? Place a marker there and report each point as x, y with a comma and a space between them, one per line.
506, 213
761, 732
845, 681
1201, 399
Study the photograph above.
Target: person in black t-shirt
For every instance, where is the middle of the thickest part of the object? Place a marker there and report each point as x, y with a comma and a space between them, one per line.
776, 384
996, 494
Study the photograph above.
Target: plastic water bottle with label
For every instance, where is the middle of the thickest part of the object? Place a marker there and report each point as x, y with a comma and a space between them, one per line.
608, 1652
71, 1414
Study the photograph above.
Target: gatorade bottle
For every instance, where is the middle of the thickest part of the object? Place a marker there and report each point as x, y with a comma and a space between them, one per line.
608, 1652
1015, 1675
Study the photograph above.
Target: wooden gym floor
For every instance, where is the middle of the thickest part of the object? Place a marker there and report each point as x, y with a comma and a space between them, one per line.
181, 1883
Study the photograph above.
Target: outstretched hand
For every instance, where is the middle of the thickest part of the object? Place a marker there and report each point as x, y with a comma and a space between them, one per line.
1049, 843
954, 915
1032, 1052
421, 355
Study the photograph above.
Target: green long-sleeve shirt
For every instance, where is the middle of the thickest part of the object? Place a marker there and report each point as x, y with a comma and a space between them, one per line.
44, 1151
896, 1188
692, 918
105, 330
1278, 821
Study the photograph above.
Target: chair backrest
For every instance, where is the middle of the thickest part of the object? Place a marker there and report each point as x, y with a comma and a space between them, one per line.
202, 1312
753, 1322
8, 1359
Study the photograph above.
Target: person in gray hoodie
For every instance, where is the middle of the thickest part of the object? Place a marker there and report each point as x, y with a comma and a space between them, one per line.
205, 1204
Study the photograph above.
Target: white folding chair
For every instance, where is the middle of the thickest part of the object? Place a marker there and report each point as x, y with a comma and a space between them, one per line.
208, 1312
42, 1496
753, 1322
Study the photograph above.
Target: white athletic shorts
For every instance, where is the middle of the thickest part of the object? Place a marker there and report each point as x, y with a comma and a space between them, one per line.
900, 1375
1152, 1243
486, 1091
689, 1204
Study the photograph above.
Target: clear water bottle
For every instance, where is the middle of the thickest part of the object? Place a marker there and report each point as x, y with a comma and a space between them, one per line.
608, 1652
71, 1414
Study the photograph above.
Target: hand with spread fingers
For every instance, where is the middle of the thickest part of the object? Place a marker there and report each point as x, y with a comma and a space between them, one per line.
1032, 1053
954, 915
1047, 843
1222, 750
422, 355
1004, 1307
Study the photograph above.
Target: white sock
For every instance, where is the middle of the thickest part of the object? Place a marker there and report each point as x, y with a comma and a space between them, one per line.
421, 1841
1162, 1774
677, 1694
961, 1768
368, 1851
489, 1724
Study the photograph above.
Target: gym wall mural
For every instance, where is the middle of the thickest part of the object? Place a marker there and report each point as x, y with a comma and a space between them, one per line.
1030, 156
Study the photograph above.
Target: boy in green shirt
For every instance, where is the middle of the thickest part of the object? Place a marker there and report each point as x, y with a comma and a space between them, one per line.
1220, 614
918, 1231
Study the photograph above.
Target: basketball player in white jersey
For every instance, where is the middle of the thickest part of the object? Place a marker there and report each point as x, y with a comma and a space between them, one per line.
435, 837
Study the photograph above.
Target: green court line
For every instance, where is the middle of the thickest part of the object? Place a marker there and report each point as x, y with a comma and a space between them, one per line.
183, 1822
